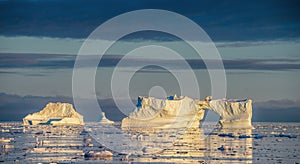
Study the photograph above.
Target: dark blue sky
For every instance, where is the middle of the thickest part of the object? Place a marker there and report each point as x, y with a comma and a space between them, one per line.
222, 20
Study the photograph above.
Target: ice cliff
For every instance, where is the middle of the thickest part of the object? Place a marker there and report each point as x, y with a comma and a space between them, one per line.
163, 113
185, 112
55, 114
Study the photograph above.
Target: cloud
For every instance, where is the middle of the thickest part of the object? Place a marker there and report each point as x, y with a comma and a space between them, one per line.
234, 20
254, 43
277, 111
14, 108
278, 104
61, 61
20, 60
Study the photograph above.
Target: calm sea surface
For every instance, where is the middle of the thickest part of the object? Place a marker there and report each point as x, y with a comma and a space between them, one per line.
266, 143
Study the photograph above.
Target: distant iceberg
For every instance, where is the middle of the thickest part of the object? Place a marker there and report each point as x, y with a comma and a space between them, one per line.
104, 120
55, 114
178, 112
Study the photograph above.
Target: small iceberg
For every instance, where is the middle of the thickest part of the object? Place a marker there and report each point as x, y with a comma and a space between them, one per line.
104, 120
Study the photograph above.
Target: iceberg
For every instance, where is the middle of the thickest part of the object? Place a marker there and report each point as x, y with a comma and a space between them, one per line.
104, 120
185, 112
55, 114
172, 112
234, 113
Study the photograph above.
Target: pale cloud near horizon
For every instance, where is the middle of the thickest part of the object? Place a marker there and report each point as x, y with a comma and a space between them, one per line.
227, 50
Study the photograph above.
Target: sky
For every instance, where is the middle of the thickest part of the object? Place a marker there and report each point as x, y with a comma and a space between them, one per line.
258, 41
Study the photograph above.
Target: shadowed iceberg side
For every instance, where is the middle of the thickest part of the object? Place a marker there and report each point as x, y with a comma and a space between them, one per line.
55, 114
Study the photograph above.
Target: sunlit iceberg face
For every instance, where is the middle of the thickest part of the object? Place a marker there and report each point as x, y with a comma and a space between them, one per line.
55, 114
175, 112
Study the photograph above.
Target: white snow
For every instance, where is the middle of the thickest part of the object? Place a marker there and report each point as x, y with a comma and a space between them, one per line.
55, 114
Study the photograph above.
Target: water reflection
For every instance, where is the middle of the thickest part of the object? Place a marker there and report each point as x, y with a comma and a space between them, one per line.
226, 145
230, 144
61, 144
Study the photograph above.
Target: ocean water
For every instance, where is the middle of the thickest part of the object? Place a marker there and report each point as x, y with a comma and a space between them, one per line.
267, 143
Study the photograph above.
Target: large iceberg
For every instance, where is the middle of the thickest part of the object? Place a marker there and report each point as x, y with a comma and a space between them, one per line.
55, 114
180, 112
164, 113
